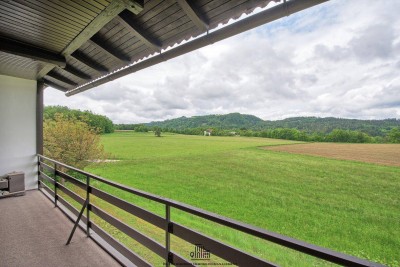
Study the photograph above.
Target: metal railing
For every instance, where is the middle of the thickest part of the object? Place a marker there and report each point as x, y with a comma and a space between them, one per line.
226, 252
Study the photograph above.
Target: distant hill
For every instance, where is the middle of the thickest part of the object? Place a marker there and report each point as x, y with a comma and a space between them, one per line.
228, 121
327, 125
237, 121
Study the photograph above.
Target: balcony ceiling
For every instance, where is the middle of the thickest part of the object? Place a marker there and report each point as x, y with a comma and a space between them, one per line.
70, 43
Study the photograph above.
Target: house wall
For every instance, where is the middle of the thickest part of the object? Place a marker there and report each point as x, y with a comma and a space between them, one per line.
18, 128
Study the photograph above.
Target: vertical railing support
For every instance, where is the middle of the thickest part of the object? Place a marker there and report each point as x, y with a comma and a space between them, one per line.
55, 185
38, 171
168, 258
87, 209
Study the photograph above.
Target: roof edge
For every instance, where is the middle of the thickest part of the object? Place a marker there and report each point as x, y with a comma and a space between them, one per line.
274, 13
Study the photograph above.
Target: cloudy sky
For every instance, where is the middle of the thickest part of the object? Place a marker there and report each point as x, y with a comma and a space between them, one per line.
340, 59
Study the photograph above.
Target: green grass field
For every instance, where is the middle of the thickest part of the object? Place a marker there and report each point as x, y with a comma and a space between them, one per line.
347, 206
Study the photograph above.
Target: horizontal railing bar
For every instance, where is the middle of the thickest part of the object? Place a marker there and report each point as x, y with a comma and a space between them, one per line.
215, 247
72, 214
125, 262
301, 246
131, 208
292, 243
319, 252
139, 237
47, 167
133, 191
117, 185
72, 194
44, 186
71, 179
44, 177
279, 239
71, 208
130, 255
66, 166
46, 194
180, 261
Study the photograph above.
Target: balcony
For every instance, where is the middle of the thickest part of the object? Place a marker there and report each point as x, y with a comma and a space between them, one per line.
66, 50
34, 233
37, 232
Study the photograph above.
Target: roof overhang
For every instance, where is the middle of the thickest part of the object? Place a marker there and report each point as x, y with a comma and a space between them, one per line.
74, 47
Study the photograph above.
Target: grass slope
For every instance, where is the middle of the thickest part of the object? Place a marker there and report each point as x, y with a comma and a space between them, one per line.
347, 206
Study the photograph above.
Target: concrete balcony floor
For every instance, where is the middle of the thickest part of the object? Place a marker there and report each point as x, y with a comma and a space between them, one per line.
34, 233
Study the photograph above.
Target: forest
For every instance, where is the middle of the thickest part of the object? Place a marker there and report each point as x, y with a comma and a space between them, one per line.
311, 129
298, 128
100, 123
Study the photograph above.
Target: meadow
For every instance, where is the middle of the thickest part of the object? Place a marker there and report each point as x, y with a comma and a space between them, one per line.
348, 206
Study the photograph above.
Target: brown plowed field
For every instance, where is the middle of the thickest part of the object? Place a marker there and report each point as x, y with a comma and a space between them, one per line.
385, 154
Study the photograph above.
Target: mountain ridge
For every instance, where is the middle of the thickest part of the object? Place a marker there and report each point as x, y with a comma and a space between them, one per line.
236, 121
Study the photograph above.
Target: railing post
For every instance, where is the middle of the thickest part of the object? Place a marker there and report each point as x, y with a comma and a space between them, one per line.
38, 171
55, 185
167, 236
87, 209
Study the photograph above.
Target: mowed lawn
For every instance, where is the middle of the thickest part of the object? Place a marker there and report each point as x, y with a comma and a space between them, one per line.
348, 206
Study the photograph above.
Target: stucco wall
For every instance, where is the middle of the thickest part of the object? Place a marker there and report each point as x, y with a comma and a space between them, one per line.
18, 128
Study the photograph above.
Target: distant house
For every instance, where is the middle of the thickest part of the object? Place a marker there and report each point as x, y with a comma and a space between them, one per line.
208, 132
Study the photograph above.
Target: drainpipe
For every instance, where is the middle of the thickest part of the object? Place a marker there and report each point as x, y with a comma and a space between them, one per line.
39, 117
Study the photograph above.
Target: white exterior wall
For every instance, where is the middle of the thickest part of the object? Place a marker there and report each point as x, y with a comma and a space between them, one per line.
18, 128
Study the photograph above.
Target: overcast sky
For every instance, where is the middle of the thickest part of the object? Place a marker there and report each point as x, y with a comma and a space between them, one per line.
340, 59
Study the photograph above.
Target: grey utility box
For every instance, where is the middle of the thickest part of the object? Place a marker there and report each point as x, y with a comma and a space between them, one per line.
3, 183
16, 182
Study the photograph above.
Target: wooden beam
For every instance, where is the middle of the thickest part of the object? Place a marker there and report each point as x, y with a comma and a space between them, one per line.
78, 55
110, 12
29, 51
127, 22
46, 68
134, 6
194, 15
96, 42
76, 72
61, 78
54, 85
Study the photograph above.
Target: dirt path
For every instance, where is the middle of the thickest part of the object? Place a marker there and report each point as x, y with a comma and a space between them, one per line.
385, 154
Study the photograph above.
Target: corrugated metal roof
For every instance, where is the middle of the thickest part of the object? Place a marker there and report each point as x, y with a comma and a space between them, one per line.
125, 37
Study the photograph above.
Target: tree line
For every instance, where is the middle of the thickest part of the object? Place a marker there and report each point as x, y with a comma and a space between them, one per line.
310, 125
337, 135
99, 123
310, 129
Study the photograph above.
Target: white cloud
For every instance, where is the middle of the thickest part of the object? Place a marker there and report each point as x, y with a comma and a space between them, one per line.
341, 59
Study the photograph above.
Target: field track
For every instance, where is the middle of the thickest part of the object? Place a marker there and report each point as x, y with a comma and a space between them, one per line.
384, 154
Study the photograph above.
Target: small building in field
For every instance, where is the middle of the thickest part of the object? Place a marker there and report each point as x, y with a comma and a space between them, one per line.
208, 132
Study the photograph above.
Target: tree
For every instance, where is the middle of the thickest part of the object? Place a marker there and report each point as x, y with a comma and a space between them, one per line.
157, 131
141, 128
98, 122
71, 141
394, 135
